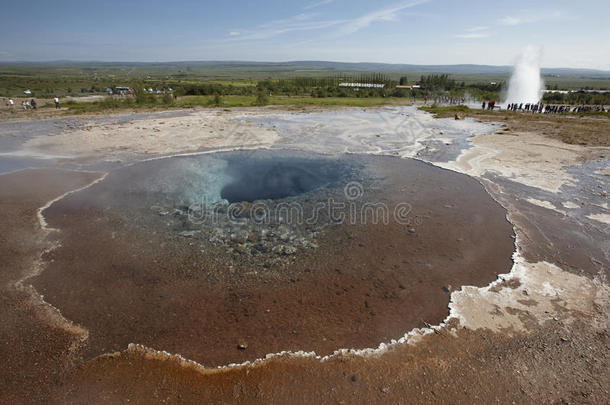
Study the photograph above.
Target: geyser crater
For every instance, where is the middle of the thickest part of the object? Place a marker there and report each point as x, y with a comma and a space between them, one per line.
201, 288
264, 177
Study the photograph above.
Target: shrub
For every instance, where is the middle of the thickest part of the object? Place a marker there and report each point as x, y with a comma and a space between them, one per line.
143, 97
168, 99
216, 101
261, 98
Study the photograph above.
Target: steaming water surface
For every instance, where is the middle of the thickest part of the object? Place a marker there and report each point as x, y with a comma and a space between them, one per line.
255, 178
200, 282
132, 266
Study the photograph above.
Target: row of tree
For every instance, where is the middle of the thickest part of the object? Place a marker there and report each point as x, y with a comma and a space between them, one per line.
431, 86
580, 98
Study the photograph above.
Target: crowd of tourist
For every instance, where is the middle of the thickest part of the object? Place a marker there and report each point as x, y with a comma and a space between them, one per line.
449, 100
28, 105
553, 109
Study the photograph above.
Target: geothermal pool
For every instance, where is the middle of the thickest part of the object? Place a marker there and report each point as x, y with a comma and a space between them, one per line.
226, 257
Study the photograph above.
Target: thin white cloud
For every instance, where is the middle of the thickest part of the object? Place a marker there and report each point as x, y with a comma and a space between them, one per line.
295, 19
511, 21
531, 17
308, 22
473, 35
299, 22
4, 55
385, 14
234, 33
317, 4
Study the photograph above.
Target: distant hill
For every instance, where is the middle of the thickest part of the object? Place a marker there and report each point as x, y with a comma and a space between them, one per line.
333, 66
408, 68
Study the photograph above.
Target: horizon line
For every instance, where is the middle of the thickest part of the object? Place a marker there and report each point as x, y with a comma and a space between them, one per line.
82, 61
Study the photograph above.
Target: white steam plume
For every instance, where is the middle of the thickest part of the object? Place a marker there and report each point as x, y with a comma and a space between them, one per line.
526, 85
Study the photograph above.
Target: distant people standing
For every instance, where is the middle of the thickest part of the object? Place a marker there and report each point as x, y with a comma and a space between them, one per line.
483, 106
56, 101
33, 103
11, 103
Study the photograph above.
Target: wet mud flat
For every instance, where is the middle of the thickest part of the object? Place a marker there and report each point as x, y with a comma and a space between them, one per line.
33, 349
472, 367
136, 265
556, 353
573, 242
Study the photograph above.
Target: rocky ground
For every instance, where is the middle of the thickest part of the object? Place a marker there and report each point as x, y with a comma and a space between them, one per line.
537, 334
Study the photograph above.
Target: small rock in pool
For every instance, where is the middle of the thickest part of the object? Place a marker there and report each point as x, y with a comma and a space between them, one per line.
188, 234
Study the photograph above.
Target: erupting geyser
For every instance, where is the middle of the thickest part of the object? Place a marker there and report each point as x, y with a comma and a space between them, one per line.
526, 85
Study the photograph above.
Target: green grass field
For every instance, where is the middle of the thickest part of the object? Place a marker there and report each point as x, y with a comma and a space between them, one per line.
69, 79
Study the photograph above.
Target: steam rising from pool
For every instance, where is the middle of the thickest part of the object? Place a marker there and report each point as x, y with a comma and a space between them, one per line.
526, 85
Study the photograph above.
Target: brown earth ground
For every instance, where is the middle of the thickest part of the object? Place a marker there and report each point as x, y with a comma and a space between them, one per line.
559, 354
46, 108
555, 364
364, 284
36, 348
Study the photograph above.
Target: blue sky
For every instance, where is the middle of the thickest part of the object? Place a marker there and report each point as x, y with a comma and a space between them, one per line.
571, 33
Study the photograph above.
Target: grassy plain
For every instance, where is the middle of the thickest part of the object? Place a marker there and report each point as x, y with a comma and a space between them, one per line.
45, 80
